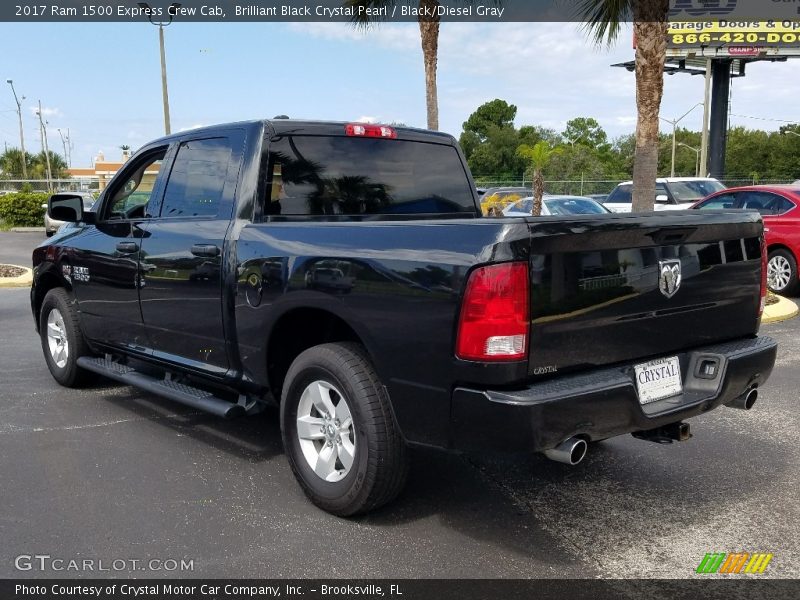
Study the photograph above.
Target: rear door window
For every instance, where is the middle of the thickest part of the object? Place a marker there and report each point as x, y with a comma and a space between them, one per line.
320, 176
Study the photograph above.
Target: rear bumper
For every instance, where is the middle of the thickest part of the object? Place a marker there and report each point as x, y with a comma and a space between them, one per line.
603, 403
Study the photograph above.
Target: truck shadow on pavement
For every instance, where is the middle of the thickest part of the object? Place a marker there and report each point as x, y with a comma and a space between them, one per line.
255, 439
527, 507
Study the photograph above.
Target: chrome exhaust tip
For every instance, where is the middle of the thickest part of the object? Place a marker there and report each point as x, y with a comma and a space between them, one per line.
745, 401
570, 452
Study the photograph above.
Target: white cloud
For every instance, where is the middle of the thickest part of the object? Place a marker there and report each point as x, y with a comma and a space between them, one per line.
396, 36
47, 112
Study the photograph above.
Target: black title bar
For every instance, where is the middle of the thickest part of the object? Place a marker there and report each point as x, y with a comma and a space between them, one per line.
483, 11
400, 589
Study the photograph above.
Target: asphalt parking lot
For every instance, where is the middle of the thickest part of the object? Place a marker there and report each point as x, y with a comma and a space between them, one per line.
111, 472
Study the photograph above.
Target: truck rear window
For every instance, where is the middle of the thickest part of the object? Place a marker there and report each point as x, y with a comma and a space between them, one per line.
315, 175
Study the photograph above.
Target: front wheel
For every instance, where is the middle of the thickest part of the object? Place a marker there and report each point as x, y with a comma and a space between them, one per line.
339, 432
62, 338
782, 273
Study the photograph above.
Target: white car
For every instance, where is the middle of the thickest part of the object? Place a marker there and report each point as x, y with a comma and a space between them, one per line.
672, 193
556, 205
52, 225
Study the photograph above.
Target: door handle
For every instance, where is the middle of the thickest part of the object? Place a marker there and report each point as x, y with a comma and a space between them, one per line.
127, 247
205, 250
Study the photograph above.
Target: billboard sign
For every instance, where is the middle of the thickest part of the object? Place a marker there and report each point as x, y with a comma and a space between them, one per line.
733, 38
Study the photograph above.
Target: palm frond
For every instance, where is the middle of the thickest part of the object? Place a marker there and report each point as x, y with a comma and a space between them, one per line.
361, 19
603, 19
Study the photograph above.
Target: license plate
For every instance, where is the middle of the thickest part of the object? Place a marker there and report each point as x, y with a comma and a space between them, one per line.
658, 379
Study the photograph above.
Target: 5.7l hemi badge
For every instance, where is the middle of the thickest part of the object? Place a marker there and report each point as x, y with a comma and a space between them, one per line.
80, 274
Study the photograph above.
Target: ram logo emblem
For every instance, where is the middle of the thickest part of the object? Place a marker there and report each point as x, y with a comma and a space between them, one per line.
669, 276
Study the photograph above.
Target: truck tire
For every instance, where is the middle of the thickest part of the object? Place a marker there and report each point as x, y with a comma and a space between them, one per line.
62, 339
339, 432
782, 273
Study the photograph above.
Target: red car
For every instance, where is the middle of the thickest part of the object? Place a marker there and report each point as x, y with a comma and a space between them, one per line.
778, 204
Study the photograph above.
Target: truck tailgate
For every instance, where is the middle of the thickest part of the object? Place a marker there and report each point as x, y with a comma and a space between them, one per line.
623, 287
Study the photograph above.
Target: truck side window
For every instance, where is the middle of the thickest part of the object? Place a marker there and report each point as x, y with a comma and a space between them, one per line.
197, 179
129, 200
338, 175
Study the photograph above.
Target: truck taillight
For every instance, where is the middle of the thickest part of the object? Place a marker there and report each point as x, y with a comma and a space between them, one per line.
763, 302
366, 130
494, 318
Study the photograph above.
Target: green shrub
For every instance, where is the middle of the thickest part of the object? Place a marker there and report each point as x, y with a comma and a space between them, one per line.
23, 209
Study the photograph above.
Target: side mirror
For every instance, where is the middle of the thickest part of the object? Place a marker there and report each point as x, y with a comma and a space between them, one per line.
662, 198
65, 207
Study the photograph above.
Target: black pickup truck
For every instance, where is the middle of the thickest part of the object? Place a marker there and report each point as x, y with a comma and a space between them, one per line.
344, 273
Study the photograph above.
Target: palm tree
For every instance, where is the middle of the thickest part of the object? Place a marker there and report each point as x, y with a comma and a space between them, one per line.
11, 163
539, 157
603, 19
429, 36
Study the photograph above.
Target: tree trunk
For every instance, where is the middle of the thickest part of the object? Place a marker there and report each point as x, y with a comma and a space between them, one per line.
429, 34
650, 31
538, 192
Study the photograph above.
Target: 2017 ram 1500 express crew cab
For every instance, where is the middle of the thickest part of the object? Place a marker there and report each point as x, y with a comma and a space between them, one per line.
344, 273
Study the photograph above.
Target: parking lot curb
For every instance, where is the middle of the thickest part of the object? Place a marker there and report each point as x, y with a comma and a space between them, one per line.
780, 311
23, 280
27, 230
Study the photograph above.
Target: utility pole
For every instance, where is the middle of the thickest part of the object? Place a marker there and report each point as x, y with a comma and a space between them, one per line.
70, 148
64, 141
706, 112
45, 149
21, 134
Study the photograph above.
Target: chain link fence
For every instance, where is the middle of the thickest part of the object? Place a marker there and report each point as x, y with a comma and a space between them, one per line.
587, 187
83, 184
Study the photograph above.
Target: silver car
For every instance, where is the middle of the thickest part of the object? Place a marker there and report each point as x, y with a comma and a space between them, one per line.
556, 205
52, 225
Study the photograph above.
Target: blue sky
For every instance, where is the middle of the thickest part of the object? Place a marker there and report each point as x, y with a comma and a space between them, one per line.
102, 81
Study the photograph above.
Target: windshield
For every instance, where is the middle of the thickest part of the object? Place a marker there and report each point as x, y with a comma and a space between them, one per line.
691, 191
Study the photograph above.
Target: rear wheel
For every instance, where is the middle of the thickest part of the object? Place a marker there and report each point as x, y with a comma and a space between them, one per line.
339, 432
62, 339
782, 273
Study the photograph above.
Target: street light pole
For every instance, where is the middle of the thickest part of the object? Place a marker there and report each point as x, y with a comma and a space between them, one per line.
21, 134
161, 24
697, 151
674, 123
164, 91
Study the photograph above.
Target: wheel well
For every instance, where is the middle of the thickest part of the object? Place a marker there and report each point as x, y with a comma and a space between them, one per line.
774, 247
298, 331
47, 282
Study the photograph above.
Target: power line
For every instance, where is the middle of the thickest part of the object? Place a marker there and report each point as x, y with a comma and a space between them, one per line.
764, 119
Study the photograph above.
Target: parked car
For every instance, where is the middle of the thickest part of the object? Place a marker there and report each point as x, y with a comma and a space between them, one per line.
500, 197
51, 225
672, 193
598, 197
460, 332
329, 279
778, 206
557, 205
